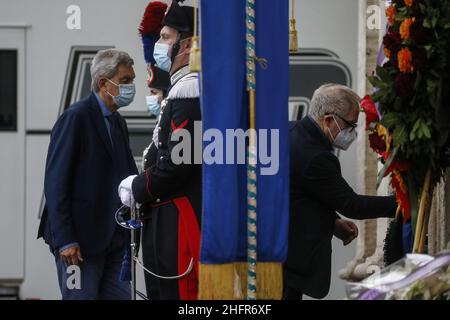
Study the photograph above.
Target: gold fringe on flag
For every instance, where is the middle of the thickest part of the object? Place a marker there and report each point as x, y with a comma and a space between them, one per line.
270, 279
216, 282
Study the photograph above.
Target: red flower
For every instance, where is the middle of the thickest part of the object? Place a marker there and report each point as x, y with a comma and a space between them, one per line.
401, 195
396, 164
409, 3
392, 41
405, 60
370, 110
400, 165
377, 143
391, 12
405, 27
418, 33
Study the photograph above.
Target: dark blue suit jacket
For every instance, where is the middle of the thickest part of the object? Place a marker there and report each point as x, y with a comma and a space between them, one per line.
317, 191
80, 181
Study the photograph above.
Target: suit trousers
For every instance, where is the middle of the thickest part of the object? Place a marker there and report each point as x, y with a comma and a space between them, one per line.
97, 278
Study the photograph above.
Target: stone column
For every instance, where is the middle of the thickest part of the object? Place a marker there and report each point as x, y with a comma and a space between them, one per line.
370, 240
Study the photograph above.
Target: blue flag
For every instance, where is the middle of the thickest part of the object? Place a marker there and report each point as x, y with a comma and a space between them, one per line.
224, 101
225, 107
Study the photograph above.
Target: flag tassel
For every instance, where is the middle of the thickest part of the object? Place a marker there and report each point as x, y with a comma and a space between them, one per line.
216, 282
293, 34
195, 54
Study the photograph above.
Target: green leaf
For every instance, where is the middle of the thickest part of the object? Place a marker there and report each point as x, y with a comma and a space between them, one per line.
398, 104
384, 74
400, 135
376, 82
426, 131
434, 21
377, 96
386, 166
389, 120
420, 134
417, 125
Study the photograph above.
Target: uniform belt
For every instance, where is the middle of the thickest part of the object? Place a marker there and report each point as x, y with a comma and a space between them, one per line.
146, 215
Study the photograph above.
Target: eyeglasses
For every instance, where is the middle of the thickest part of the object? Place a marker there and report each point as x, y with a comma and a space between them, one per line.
353, 125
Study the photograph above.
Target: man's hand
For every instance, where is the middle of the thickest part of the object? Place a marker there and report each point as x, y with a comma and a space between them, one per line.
71, 256
125, 192
345, 230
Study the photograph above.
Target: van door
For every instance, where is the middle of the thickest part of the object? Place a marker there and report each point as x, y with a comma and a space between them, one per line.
12, 153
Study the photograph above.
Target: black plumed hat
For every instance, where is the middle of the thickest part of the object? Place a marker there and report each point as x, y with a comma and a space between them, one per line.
181, 18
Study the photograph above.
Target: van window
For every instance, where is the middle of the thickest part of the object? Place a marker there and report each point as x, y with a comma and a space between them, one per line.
8, 90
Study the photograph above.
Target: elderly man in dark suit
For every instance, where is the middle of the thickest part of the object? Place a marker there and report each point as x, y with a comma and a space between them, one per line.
318, 191
88, 156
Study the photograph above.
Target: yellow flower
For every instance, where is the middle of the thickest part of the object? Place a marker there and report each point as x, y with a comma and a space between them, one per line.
391, 12
382, 131
405, 61
409, 3
404, 28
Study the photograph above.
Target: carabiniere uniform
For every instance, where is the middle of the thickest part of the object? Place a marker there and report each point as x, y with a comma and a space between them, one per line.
171, 195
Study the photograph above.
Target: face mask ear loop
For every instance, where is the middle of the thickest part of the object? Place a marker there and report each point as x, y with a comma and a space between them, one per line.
337, 124
113, 84
329, 131
175, 48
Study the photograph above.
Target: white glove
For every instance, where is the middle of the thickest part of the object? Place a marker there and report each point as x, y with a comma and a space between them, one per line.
125, 191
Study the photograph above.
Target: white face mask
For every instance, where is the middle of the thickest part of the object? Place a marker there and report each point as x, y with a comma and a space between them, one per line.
161, 56
344, 138
126, 94
153, 105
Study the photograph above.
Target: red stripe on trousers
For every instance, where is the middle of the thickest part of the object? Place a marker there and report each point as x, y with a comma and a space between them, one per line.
188, 247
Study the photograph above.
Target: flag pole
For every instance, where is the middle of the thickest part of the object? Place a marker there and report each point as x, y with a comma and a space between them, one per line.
252, 158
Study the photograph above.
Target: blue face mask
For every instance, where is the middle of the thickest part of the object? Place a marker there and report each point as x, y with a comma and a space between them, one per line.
126, 94
153, 105
161, 55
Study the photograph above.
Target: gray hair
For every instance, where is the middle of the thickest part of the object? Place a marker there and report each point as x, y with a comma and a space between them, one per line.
333, 98
106, 63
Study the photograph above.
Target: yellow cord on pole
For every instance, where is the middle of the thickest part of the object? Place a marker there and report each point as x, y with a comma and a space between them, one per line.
293, 34
195, 54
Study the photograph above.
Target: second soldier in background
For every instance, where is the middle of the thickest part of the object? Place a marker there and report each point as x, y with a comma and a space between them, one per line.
171, 237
